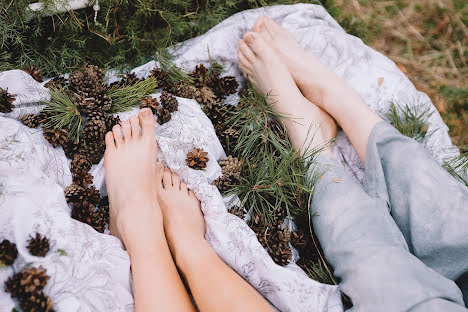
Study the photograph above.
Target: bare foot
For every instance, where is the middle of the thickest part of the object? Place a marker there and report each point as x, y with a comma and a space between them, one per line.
316, 80
184, 225
130, 164
264, 68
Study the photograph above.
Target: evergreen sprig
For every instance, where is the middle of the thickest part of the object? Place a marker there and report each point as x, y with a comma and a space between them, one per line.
62, 113
457, 166
410, 120
129, 96
174, 73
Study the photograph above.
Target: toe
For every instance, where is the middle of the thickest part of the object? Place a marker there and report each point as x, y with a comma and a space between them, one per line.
255, 42
245, 51
167, 178
259, 24
175, 180
147, 122
117, 133
127, 130
243, 63
110, 143
135, 126
183, 187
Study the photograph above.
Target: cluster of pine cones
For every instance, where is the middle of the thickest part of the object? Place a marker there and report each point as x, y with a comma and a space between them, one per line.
27, 286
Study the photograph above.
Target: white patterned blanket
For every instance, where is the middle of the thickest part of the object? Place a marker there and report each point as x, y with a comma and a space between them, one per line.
94, 275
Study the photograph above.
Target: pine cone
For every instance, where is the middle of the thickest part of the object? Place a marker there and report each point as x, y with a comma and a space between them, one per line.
37, 302
88, 80
12, 285
71, 149
98, 115
151, 103
184, 89
169, 102
94, 151
8, 252
112, 121
34, 279
80, 163
75, 194
244, 92
39, 245
36, 73
222, 86
94, 131
163, 116
196, 159
231, 166
298, 240
85, 103
228, 137
129, 79
161, 77
199, 74
31, 120
55, 83
6, 101
82, 179
205, 95
56, 137
224, 182
216, 113
94, 196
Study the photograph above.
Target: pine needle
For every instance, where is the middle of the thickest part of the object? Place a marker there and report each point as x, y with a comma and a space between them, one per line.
174, 73
63, 113
126, 97
458, 167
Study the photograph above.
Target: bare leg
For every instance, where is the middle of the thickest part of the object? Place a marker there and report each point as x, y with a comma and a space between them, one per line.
269, 74
315, 81
136, 218
214, 285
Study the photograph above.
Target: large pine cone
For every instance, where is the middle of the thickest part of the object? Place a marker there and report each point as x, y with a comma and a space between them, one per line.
36, 73
80, 164
39, 245
71, 149
6, 101
37, 302
169, 102
199, 75
31, 120
150, 103
231, 166
88, 80
205, 95
8, 252
196, 159
82, 179
13, 286
57, 82
56, 137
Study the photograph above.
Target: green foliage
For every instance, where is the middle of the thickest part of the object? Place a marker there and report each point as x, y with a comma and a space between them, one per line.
63, 113
458, 166
128, 33
62, 252
174, 73
410, 120
127, 97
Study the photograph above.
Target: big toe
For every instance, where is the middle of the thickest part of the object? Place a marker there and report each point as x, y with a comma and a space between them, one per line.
147, 122
256, 43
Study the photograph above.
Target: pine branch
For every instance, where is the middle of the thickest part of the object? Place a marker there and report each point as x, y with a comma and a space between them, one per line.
174, 73
458, 167
63, 113
127, 97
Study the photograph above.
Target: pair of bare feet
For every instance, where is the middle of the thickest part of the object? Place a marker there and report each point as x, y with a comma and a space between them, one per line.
144, 197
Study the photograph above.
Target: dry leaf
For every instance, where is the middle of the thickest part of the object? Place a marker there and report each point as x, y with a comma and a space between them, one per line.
380, 81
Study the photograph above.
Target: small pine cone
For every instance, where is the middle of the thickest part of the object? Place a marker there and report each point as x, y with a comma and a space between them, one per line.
222, 86
56, 137
205, 95
71, 149
6, 101
39, 245
95, 150
8, 252
196, 159
163, 116
36, 73
298, 240
83, 213
101, 218
94, 130
13, 286
75, 194
82, 179
281, 254
34, 279
57, 82
231, 166
129, 79
80, 163
169, 102
31, 120
224, 182
151, 103
161, 77
36, 302
238, 211
184, 89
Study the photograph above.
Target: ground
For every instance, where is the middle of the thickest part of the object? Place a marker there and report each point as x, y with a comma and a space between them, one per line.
427, 39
